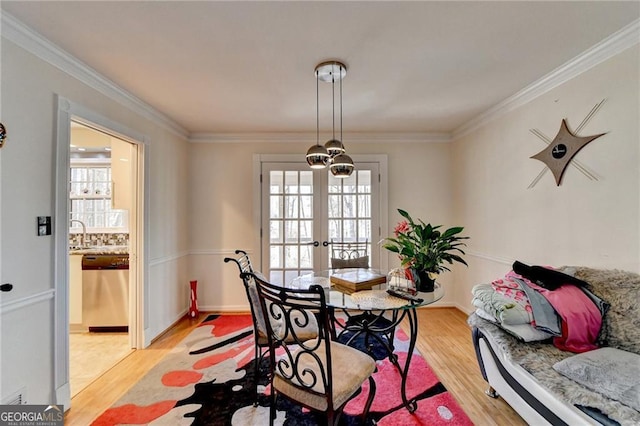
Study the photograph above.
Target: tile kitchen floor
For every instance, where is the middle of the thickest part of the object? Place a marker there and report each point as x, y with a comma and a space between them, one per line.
92, 354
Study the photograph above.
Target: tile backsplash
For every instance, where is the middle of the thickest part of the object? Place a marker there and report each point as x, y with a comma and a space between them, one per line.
99, 239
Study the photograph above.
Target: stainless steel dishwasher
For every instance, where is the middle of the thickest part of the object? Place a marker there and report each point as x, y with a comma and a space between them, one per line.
105, 292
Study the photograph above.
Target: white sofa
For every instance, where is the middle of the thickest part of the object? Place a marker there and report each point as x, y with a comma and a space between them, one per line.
523, 374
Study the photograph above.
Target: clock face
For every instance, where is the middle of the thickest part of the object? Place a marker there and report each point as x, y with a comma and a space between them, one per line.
559, 151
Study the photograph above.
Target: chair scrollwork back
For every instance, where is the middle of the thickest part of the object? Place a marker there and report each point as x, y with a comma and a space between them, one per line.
351, 254
317, 373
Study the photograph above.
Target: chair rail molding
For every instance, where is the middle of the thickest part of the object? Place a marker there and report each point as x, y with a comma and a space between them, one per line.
216, 252
496, 259
23, 302
169, 258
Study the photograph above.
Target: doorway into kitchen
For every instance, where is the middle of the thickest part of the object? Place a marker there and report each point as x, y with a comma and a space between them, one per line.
101, 204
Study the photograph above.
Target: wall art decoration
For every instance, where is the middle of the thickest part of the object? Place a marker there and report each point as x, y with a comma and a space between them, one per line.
3, 134
560, 151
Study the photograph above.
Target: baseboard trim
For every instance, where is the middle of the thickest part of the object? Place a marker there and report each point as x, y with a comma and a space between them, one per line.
224, 309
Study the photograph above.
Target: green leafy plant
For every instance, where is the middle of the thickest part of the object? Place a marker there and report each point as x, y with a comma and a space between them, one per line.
422, 246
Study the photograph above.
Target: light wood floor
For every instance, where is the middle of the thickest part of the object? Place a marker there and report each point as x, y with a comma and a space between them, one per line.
91, 354
444, 340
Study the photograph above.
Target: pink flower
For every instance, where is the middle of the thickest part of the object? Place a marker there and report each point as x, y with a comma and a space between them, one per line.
401, 228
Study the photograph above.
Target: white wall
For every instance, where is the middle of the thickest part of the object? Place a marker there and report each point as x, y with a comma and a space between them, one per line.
222, 209
28, 90
581, 222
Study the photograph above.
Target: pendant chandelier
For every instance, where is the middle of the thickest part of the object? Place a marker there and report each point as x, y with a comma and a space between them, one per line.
332, 154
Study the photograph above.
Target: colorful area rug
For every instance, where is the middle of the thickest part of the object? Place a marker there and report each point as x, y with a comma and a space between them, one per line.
207, 380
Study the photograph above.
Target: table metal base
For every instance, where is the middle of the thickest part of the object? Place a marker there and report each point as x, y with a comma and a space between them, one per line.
377, 327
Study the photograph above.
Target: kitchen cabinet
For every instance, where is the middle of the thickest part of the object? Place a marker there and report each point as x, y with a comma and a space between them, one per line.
75, 292
121, 163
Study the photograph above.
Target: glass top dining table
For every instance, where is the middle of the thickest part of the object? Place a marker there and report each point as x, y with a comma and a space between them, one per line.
373, 315
376, 299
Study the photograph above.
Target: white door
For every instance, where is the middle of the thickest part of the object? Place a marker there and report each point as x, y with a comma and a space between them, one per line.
304, 210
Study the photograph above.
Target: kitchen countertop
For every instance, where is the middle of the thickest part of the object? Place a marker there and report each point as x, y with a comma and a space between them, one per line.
100, 250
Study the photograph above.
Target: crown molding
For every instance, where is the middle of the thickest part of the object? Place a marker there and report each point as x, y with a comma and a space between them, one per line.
310, 137
14, 30
600, 52
20, 34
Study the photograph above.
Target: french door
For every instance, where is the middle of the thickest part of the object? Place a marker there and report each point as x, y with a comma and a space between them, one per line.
303, 211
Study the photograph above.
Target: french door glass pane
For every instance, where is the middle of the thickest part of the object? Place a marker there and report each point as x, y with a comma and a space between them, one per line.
306, 183
364, 181
349, 184
291, 206
349, 208
335, 230
290, 223
275, 231
275, 260
291, 182
364, 205
306, 257
291, 231
306, 206
275, 206
335, 205
291, 259
276, 277
306, 231
276, 182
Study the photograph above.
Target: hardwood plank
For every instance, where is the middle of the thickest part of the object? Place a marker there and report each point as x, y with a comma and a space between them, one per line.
112, 385
444, 339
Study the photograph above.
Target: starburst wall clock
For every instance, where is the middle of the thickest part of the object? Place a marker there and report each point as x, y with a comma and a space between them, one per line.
563, 148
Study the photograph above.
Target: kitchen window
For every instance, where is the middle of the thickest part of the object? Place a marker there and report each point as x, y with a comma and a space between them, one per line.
90, 201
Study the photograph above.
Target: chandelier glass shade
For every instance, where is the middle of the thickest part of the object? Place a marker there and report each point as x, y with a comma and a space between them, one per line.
318, 157
332, 154
334, 147
341, 166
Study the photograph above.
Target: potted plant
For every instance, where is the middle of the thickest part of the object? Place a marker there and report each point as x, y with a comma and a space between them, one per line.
424, 250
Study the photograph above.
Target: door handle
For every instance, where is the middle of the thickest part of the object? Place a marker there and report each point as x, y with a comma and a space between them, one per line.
313, 243
325, 243
6, 287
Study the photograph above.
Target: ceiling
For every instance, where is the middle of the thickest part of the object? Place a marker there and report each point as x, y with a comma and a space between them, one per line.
248, 67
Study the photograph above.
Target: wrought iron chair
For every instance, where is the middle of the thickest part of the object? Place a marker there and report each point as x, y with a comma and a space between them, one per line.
349, 254
320, 374
261, 343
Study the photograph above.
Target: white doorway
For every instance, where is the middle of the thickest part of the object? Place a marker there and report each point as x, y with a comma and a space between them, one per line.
99, 210
303, 211
101, 193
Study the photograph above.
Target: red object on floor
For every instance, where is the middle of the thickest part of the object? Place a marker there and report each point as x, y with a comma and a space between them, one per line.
193, 308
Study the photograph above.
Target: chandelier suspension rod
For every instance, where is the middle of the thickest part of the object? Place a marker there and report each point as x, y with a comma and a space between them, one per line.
317, 111
333, 102
341, 143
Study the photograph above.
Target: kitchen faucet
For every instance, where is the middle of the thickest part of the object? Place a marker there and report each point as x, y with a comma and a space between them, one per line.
84, 232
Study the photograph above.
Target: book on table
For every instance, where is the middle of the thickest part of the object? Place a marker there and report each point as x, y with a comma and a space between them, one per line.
357, 279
